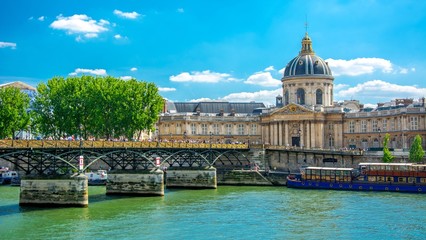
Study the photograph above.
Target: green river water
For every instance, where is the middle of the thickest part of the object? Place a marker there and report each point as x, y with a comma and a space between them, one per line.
225, 213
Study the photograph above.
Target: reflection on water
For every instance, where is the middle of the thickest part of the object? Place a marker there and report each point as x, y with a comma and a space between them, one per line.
224, 213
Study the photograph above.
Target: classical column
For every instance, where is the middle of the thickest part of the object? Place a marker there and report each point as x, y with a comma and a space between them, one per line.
286, 134
308, 135
301, 135
320, 135
313, 135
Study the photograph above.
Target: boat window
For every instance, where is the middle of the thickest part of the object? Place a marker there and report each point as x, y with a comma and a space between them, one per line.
412, 180
423, 180
371, 178
380, 178
389, 179
402, 179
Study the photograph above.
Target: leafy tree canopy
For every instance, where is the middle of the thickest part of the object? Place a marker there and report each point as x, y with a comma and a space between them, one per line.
102, 107
13, 111
416, 151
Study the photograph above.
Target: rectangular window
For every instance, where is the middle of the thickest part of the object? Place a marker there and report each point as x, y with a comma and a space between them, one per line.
375, 124
204, 129
384, 125
413, 123
216, 129
253, 129
363, 126
330, 126
193, 129
241, 129
351, 126
392, 124
228, 129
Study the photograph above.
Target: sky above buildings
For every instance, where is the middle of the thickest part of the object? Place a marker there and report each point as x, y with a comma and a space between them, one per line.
218, 49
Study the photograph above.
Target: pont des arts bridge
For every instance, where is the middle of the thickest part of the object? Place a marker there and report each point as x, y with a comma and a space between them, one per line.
52, 172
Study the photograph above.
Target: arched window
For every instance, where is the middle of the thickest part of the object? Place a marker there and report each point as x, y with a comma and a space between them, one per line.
319, 96
286, 98
300, 96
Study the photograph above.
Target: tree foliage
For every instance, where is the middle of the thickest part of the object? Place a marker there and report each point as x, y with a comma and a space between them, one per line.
13, 111
387, 156
416, 151
102, 107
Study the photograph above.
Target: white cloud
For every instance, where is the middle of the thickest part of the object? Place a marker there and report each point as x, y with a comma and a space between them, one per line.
41, 18
133, 69
281, 71
270, 68
264, 96
126, 78
128, 15
7, 44
201, 77
359, 66
378, 89
91, 35
166, 89
117, 36
101, 72
80, 24
340, 86
264, 79
180, 10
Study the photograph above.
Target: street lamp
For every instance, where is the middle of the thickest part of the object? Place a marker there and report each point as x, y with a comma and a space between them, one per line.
379, 130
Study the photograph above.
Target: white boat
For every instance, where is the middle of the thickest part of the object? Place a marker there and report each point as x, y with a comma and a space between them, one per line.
7, 176
99, 177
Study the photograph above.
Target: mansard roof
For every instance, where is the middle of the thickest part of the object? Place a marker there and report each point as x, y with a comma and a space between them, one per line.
214, 107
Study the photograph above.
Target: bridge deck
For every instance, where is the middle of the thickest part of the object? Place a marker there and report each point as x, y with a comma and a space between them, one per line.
113, 144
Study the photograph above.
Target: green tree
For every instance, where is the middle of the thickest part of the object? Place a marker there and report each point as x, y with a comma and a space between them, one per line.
14, 114
416, 151
387, 156
102, 107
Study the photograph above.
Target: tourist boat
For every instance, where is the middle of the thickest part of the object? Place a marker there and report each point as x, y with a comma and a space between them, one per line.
6, 177
393, 177
99, 177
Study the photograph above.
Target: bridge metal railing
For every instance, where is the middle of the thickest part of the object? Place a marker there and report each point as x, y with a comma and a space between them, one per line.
113, 144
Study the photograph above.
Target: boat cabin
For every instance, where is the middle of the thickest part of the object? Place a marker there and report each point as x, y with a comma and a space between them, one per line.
327, 174
393, 172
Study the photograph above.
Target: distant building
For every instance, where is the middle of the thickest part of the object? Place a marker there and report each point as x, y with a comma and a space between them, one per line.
304, 116
223, 122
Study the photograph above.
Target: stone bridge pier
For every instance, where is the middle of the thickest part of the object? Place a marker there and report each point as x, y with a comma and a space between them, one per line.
191, 177
139, 183
49, 192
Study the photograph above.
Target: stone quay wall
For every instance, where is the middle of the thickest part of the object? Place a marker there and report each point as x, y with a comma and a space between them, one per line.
150, 183
191, 178
243, 177
72, 192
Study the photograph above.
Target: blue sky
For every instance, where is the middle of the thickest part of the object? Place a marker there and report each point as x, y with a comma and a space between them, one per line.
217, 49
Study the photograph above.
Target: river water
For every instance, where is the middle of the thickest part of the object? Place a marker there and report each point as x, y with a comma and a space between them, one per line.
228, 212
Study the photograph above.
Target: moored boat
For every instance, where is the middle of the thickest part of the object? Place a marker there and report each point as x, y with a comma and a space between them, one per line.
7, 176
394, 177
99, 177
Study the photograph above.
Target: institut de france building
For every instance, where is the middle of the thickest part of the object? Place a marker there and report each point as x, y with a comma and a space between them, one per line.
304, 116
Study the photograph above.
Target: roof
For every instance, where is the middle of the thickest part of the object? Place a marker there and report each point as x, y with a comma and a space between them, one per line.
20, 85
330, 168
214, 107
307, 63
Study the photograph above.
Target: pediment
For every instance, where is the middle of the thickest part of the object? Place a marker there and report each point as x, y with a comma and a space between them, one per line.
292, 108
